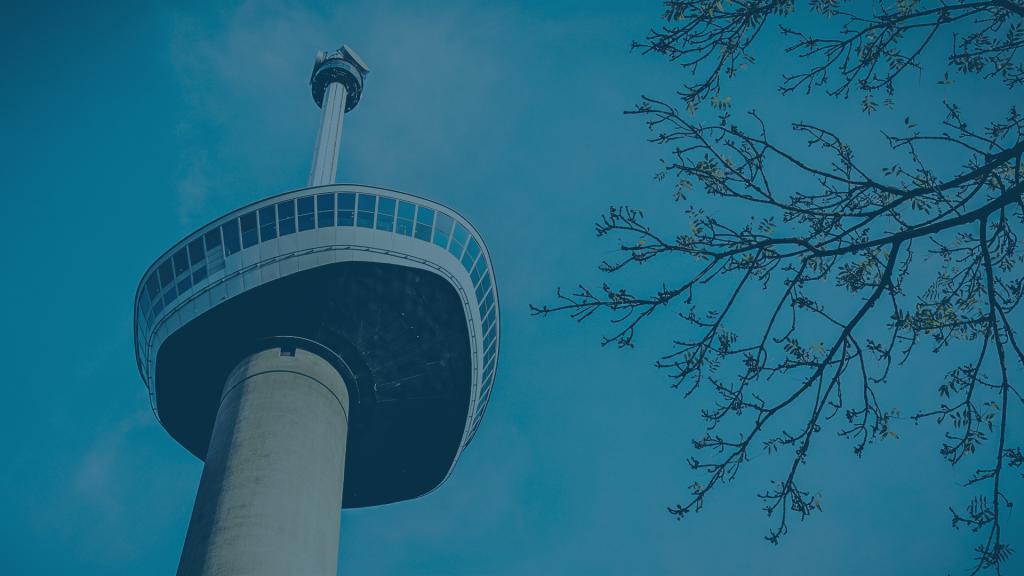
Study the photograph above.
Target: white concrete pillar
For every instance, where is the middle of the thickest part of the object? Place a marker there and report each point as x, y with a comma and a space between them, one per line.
328, 137
269, 501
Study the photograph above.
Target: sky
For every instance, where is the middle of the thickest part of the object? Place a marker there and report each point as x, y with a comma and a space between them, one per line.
128, 125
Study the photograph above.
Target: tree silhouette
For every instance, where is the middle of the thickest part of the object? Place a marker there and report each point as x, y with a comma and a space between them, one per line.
856, 268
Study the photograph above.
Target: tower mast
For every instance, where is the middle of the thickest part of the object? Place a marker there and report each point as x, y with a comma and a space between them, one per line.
337, 83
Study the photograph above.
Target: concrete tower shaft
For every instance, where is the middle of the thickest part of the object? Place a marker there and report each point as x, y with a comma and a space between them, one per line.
337, 85
269, 501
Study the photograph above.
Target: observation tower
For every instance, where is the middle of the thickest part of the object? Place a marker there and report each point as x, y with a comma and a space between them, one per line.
330, 346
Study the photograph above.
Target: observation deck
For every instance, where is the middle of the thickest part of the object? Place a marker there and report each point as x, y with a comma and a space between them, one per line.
399, 290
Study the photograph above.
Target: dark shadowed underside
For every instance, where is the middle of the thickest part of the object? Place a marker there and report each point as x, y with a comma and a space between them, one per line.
400, 331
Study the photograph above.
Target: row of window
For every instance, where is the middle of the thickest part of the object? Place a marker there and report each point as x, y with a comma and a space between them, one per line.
204, 256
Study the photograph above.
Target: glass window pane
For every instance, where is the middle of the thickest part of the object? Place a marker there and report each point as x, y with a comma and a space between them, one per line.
444, 223
443, 229
199, 274
324, 219
346, 218
305, 219
482, 288
169, 295
212, 240
145, 312
474, 274
195, 251
386, 213
166, 273
476, 425
458, 240
488, 381
325, 202
367, 207
214, 251
479, 271
286, 217
286, 209
424, 223
231, 242
367, 203
455, 248
423, 232
346, 201
324, 210
406, 215
484, 285
249, 237
180, 262
385, 222
425, 216
469, 258
460, 233
485, 391
153, 285
185, 284
487, 368
268, 223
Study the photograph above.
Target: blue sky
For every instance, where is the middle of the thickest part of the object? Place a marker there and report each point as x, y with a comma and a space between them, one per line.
127, 127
